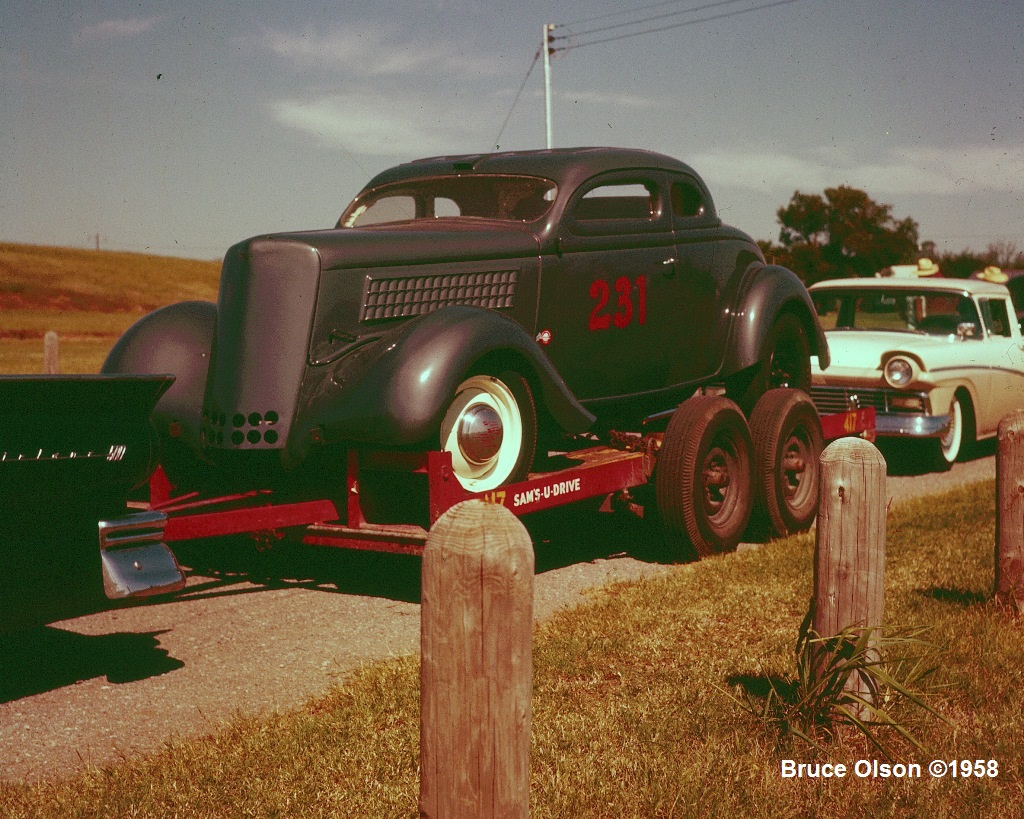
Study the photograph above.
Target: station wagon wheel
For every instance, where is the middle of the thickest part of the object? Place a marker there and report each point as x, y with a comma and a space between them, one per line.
702, 478
946, 450
490, 429
788, 440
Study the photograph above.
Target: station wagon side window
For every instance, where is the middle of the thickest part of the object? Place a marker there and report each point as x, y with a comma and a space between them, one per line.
996, 316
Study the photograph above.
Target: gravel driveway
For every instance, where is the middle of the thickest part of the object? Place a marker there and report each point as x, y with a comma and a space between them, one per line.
267, 631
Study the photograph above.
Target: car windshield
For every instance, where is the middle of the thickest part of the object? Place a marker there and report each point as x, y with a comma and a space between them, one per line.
935, 312
511, 198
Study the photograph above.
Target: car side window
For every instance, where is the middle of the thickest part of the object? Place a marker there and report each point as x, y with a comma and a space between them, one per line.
997, 318
630, 201
687, 200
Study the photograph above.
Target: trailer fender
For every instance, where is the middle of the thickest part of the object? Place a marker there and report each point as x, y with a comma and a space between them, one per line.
771, 291
176, 340
394, 391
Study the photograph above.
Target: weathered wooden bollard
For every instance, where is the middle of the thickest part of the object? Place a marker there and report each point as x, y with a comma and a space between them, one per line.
477, 665
1009, 589
51, 353
849, 562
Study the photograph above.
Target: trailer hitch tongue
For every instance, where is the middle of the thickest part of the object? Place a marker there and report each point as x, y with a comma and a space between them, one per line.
136, 561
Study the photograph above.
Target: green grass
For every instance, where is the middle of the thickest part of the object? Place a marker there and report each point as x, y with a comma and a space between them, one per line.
634, 713
88, 297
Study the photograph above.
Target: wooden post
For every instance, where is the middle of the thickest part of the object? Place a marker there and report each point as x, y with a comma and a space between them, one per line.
51, 353
1010, 512
849, 562
476, 676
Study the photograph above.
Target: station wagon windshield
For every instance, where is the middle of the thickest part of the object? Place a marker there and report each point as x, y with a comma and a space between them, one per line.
935, 312
509, 198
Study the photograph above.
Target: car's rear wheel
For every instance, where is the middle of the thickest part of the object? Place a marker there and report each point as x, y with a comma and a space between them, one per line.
703, 478
490, 429
788, 440
784, 362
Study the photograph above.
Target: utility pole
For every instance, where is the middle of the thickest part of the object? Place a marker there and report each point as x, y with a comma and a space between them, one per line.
547, 81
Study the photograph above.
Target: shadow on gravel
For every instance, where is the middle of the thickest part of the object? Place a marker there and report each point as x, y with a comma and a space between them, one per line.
907, 458
47, 658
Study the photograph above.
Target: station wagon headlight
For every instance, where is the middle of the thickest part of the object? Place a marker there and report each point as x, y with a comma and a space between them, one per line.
899, 372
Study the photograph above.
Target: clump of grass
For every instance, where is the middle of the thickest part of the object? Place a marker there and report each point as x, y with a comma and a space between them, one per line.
871, 680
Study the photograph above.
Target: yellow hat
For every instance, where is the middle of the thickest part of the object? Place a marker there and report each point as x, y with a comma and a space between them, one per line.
993, 274
926, 267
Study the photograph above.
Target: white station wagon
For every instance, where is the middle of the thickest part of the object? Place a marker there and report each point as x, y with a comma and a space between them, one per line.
940, 360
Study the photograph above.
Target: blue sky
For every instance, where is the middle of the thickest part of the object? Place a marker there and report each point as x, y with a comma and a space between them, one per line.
182, 128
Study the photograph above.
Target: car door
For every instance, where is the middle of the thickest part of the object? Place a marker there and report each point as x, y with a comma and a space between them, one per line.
612, 319
699, 282
1005, 359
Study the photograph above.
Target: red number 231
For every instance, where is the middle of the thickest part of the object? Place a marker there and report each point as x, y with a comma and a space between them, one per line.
600, 291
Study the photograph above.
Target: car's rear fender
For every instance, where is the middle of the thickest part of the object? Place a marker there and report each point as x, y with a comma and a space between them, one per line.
394, 391
769, 292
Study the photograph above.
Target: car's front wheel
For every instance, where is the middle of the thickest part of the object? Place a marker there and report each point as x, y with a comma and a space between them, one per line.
490, 429
947, 449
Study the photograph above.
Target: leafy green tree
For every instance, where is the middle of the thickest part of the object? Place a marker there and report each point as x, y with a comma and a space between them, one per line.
843, 233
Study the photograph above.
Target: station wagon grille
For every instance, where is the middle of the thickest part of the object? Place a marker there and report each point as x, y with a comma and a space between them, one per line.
841, 399
396, 297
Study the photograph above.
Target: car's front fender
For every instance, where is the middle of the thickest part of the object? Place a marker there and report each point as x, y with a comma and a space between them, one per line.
394, 391
175, 339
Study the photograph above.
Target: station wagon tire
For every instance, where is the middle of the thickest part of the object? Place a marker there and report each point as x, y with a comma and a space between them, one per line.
787, 437
490, 429
785, 361
946, 450
703, 477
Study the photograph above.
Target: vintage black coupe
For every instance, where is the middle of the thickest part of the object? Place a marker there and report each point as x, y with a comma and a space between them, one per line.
484, 304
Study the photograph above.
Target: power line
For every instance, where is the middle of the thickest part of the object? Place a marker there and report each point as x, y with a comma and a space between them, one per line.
707, 19
533, 64
628, 23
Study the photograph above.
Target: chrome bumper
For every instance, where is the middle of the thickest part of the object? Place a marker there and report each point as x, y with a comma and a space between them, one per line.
136, 561
911, 426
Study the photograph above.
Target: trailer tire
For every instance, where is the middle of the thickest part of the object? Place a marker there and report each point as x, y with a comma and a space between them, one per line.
703, 477
788, 440
490, 428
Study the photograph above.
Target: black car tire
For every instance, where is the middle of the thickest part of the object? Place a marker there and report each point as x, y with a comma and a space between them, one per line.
490, 428
784, 362
703, 476
788, 440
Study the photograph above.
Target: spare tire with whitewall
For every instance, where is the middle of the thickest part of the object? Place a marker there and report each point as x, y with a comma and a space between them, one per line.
788, 441
702, 479
490, 429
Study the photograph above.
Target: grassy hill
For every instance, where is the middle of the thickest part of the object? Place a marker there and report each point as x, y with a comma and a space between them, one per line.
89, 297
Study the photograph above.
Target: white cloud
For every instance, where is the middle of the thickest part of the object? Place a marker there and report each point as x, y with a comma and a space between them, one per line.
368, 126
915, 171
368, 51
119, 29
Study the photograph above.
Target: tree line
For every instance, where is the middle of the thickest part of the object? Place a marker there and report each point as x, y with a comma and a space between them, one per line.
844, 232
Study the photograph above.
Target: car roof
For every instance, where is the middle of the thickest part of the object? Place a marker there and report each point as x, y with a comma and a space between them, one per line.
562, 165
971, 286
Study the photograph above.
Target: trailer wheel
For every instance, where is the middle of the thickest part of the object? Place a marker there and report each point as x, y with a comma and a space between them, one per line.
702, 478
787, 436
490, 429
